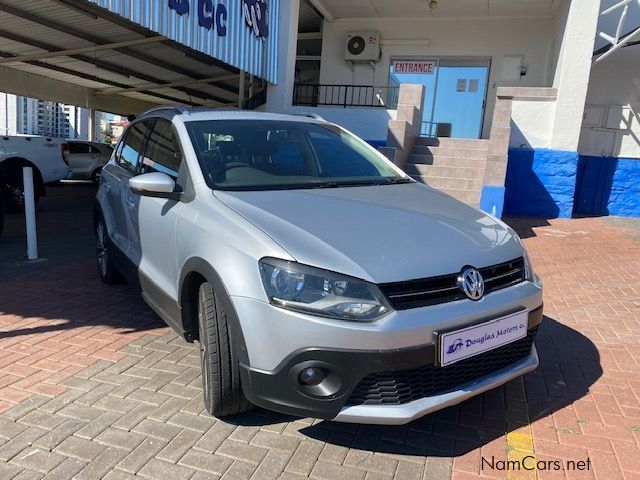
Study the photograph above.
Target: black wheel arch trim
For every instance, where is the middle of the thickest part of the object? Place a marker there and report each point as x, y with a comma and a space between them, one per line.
197, 267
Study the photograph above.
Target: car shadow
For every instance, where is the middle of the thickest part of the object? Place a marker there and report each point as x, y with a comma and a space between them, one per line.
569, 365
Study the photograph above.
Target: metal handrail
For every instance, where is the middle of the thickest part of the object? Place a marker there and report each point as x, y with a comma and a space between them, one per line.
345, 95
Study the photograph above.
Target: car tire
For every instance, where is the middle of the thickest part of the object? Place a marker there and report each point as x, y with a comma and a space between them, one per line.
107, 270
12, 187
95, 176
220, 369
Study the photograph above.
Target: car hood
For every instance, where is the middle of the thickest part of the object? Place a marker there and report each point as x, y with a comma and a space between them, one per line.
378, 233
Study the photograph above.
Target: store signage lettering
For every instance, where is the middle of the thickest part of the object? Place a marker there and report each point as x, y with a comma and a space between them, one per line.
256, 16
209, 16
414, 66
214, 17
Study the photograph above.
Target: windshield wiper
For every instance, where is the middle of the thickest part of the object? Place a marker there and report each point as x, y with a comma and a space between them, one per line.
398, 181
343, 184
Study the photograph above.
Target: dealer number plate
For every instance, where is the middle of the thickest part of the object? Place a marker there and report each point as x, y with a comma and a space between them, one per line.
477, 339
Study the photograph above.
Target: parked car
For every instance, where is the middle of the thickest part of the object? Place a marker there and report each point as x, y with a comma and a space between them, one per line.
86, 159
317, 278
47, 156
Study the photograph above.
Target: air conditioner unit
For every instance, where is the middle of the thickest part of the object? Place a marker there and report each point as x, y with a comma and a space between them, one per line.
362, 47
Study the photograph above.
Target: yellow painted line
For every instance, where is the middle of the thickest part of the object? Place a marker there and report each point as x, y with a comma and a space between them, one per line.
519, 432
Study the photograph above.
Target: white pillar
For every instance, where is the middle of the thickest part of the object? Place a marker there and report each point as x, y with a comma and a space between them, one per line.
30, 213
280, 96
576, 27
92, 125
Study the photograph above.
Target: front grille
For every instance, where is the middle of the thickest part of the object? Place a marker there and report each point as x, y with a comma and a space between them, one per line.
435, 290
397, 388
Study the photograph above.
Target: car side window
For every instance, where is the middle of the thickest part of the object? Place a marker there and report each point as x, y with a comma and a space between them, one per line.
93, 149
163, 153
132, 145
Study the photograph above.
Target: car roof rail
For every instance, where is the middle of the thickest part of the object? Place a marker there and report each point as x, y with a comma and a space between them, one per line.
178, 108
315, 116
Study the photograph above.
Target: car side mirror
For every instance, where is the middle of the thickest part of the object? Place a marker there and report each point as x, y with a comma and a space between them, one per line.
155, 184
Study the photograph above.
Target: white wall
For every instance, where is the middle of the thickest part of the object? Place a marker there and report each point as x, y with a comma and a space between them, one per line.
485, 38
615, 82
532, 123
574, 33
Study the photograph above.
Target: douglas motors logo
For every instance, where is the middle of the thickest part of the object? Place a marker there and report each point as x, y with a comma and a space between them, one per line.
455, 346
256, 16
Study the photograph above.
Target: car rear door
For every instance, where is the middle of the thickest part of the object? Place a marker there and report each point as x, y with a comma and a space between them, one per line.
82, 158
154, 220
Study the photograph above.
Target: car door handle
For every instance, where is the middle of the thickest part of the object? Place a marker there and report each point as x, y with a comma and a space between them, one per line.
107, 186
131, 203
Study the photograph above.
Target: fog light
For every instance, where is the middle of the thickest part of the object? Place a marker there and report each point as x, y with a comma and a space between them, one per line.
312, 376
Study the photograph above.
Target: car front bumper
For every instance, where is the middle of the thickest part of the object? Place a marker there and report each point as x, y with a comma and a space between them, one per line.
401, 414
280, 389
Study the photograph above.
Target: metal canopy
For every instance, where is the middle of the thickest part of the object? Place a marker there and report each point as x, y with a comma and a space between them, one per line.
77, 42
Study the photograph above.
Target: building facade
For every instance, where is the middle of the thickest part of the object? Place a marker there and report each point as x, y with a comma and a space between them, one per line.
30, 116
527, 89
516, 107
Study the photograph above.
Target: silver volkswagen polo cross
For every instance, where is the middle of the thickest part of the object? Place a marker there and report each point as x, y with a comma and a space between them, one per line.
316, 278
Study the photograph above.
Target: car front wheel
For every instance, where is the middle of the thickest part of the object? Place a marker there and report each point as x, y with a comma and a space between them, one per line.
220, 370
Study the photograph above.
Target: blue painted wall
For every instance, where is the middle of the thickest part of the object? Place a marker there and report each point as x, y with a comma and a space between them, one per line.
540, 183
492, 200
608, 186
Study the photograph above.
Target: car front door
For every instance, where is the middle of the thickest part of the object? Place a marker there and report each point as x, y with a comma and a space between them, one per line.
153, 232
116, 184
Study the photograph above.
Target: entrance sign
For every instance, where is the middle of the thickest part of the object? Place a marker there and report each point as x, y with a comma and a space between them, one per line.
423, 67
240, 33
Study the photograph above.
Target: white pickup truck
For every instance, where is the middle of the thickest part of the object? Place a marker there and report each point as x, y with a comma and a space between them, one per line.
47, 156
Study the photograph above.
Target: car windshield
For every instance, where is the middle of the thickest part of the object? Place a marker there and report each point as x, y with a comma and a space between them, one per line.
274, 155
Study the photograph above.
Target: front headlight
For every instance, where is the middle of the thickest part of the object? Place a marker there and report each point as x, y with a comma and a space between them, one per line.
320, 292
529, 273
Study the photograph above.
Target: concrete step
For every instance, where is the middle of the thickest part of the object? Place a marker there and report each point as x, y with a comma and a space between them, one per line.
446, 161
450, 183
449, 152
481, 144
470, 197
476, 173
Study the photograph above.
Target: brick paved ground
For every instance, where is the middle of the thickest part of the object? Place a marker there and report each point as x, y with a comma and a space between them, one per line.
92, 385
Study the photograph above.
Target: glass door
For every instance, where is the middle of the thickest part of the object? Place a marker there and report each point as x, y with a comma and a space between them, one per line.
455, 93
461, 90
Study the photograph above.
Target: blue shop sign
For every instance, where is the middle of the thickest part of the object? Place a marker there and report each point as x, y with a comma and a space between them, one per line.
242, 33
254, 12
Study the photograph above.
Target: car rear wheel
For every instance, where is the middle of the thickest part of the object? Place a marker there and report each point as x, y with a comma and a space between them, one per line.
220, 370
106, 269
12, 189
